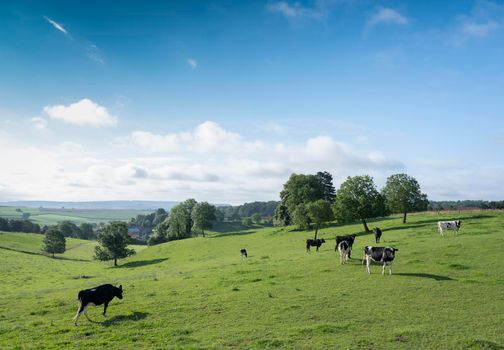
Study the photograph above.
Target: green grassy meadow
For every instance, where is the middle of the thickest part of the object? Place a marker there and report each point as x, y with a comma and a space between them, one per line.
445, 292
46, 216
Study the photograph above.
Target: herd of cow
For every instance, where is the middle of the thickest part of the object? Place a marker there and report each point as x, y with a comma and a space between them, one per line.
102, 295
384, 255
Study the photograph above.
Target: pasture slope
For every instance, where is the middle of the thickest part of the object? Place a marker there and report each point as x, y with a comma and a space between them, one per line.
445, 292
50, 216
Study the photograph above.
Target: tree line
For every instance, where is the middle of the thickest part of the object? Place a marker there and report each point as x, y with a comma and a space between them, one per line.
465, 204
16, 225
308, 200
187, 219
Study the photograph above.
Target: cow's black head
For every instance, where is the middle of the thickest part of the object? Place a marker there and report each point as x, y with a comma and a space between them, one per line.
458, 222
322, 240
118, 292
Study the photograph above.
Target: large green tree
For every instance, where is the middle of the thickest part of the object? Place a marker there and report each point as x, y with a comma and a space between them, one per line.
282, 216
113, 240
358, 199
403, 195
54, 241
299, 189
328, 190
203, 214
319, 212
300, 217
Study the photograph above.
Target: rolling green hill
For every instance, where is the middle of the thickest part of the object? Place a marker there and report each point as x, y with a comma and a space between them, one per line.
445, 292
48, 216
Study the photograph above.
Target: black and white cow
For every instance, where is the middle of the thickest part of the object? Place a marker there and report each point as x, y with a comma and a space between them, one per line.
344, 250
383, 255
349, 238
377, 233
314, 243
449, 225
243, 253
97, 296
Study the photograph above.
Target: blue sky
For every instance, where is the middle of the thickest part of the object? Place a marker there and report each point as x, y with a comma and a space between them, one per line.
221, 101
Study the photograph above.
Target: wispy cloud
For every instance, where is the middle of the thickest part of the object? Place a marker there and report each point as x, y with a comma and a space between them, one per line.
83, 112
295, 10
57, 26
39, 123
484, 19
94, 53
192, 62
386, 16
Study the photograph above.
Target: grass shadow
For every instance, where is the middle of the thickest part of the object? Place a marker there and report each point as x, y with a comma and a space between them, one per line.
426, 275
135, 316
133, 264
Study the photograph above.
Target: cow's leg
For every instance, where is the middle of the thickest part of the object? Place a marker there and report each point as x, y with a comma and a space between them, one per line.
105, 309
383, 268
390, 269
86, 314
349, 252
80, 309
368, 262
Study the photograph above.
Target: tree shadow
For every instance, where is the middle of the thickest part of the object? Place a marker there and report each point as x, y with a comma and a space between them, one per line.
426, 275
240, 233
134, 316
133, 264
56, 257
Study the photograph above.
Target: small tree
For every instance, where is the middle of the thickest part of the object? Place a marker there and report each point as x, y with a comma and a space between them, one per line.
402, 195
319, 212
54, 241
256, 218
246, 221
113, 240
358, 199
202, 215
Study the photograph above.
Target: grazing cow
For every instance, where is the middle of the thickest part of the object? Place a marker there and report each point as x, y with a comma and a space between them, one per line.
243, 253
449, 225
97, 296
314, 243
377, 233
384, 255
349, 238
344, 249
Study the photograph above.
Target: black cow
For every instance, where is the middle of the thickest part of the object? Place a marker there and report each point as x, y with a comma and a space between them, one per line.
377, 233
314, 243
97, 296
243, 252
349, 238
384, 255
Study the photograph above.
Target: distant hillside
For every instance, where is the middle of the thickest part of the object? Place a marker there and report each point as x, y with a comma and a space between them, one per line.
109, 205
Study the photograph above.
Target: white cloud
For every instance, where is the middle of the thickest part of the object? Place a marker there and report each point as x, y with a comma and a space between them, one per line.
387, 16
83, 112
39, 123
208, 163
57, 25
192, 62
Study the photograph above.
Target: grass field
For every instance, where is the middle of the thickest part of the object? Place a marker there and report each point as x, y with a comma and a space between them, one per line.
445, 292
45, 216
